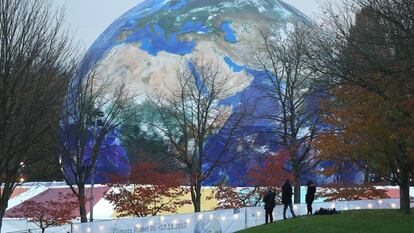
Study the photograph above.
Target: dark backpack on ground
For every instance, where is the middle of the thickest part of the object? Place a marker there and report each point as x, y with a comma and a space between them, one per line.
323, 211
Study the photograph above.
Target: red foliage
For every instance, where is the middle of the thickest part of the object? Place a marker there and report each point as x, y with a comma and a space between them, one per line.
49, 213
353, 193
147, 192
231, 197
271, 173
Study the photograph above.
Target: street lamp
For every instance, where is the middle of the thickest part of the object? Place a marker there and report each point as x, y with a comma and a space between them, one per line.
98, 122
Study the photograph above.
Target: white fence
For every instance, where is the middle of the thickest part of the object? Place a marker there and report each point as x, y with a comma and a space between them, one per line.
221, 221
24, 226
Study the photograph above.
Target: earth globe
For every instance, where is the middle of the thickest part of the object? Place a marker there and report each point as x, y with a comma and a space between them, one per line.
145, 47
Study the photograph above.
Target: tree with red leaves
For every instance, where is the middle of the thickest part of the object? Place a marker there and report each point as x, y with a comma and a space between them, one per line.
147, 192
48, 213
229, 197
271, 172
352, 193
371, 133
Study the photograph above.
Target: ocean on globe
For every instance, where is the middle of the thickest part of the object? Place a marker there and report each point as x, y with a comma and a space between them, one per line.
145, 47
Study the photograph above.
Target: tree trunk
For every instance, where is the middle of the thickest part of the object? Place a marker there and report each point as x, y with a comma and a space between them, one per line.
198, 199
82, 204
2, 212
197, 205
4, 202
297, 191
195, 191
405, 192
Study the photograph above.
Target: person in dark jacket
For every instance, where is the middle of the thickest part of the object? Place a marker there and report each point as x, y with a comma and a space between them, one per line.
287, 198
269, 200
310, 196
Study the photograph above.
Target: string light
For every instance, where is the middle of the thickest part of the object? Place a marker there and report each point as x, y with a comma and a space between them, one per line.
162, 218
187, 221
380, 202
333, 206
236, 216
138, 225
211, 216
258, 213
151, 222
370, 206
175, 221
200, 216
101, 228
295, 207
393, 205
223, 218
88, 229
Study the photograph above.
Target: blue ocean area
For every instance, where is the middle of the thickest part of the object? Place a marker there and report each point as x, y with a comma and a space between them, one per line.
157, 41
197, 27
203, 89
233, 66
178, 5
229, 34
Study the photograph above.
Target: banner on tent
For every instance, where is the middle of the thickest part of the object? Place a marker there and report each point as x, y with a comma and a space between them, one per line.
215, 222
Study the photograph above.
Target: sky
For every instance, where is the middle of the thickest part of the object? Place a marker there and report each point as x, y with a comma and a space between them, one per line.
87, 19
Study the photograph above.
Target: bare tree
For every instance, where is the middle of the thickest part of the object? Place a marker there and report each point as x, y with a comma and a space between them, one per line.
95, 108
369, 44
34, 51
290, 83
191, 114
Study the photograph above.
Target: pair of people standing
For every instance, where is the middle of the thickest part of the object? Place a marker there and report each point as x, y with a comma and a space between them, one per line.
287, 192
269, 200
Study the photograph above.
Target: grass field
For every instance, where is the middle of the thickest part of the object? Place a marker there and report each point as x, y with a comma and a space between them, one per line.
361, 221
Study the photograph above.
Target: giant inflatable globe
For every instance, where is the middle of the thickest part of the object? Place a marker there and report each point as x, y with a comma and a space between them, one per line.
146, 45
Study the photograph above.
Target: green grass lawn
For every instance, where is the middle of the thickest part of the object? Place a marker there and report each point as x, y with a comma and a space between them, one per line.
361, 221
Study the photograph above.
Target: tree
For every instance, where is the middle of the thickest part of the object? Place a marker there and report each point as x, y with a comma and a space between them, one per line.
190, 115
369, 44
229, 197
34, 54
291, 84
95, 108
353, 193
270, 172
364, 133
147, 192
141, 141
49, 213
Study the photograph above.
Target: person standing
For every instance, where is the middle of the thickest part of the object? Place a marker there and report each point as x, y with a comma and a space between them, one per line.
269, 200
287, 198
310, 196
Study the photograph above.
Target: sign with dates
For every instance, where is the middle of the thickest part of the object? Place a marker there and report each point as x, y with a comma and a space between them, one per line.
208, 222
